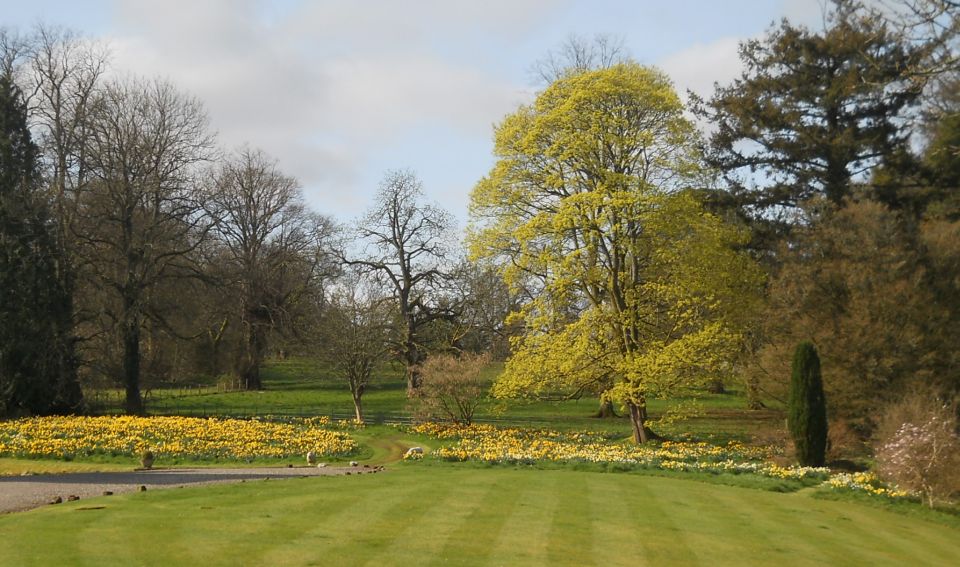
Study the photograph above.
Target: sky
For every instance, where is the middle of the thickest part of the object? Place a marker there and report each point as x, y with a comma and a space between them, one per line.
340, 92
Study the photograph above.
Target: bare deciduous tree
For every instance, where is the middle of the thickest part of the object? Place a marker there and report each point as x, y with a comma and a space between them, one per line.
66, 71
484, 301
405, 248
354, 335
141, 219
272, 248
577, 54
15, 49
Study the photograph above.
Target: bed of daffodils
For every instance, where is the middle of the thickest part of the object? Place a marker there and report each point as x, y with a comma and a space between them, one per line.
508, 445
864, 482
189, 437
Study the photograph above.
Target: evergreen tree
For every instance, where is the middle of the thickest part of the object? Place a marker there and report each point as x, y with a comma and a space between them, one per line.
37, 365
807, 408
813, 112
942, 161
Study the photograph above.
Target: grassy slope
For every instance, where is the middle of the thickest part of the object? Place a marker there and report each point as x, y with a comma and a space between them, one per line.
459, 515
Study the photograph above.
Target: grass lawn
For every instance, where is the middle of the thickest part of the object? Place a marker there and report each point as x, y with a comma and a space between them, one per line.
456, 515
299, 386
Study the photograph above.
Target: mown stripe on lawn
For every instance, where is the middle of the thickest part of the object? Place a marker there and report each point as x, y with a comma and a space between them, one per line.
417, 543
736, 523
803, 522
617, 537
571, 525
863, 537
483, 514
756, 542
886, 536
388, 530
523, 535
807, 539
241, 520
231, 519
767, 514
497, 516
376, 513
329, 509
661, 538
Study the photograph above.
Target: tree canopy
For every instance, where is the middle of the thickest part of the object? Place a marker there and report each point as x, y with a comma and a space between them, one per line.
590, 199
405, 249
815, 110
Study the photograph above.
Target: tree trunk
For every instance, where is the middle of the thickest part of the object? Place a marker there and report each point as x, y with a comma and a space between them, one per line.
413, 380
638, 420
69, 395
606, 410
716, 386
253, 357
753, 394
216, 341
637, 423
358, 410
131, 363
412, 357
251, 376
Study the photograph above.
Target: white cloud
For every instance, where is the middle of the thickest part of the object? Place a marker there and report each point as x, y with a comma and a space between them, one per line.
324, 85
382, 96
697, 68
387, 25
805, 12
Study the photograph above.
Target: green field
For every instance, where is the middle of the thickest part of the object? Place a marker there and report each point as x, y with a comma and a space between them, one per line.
302, 387
456, 515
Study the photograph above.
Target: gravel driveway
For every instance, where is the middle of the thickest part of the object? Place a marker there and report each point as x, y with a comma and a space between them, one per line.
19, 493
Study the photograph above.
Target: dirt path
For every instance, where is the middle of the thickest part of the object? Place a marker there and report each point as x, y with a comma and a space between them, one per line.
19, 493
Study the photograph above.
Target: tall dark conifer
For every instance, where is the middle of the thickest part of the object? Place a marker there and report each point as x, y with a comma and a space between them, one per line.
37, 365
807, 407
814, 111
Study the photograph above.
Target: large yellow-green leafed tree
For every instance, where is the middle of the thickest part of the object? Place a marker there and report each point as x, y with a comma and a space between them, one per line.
636, 292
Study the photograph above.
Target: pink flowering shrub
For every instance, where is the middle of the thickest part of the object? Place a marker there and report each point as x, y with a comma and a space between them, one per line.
922, 454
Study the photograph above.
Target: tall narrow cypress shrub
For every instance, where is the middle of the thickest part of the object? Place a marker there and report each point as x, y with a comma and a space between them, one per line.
807, 408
